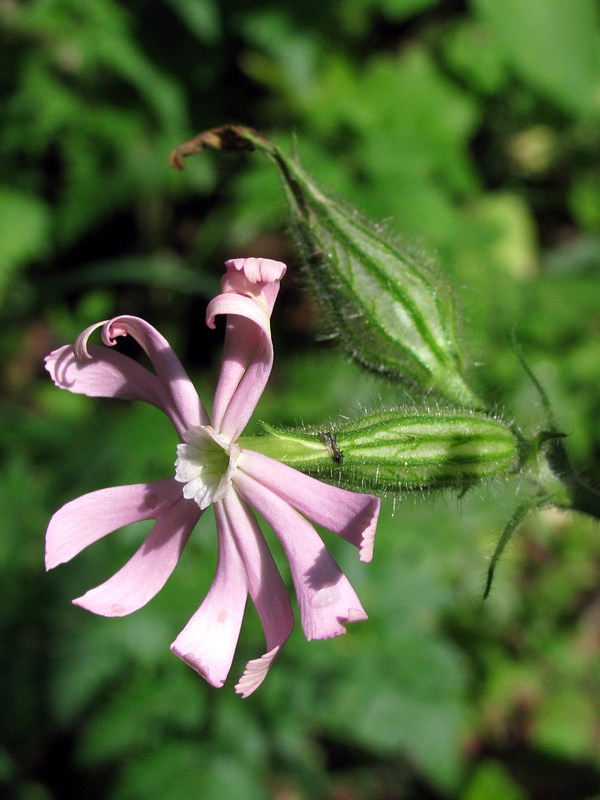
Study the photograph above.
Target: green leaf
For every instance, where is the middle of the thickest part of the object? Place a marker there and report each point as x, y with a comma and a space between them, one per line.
490, 782
565, 724
24, 232
552, 44
410, 699
355, 11
471, 49
200, 17
401, 9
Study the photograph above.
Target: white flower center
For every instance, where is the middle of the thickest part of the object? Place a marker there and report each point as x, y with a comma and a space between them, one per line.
205, 463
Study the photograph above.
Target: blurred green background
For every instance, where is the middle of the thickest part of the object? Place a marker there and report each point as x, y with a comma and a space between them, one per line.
472, 130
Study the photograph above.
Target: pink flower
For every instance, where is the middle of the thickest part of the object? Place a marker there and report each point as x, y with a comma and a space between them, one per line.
211, 469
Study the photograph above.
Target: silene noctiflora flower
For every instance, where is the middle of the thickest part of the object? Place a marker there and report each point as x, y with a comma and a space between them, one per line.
212, 469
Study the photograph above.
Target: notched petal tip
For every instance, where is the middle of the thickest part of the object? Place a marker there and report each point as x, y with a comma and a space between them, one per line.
335, 627
365, 524
356, 615
367, 543
255, 673
366, 549
258, 270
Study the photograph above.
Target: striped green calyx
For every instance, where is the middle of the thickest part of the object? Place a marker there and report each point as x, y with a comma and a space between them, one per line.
390, 311
399, 451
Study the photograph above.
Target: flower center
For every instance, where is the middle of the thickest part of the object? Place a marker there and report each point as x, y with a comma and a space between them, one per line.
206, 462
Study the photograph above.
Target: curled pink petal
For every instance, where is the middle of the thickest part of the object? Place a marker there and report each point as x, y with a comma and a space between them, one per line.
256, 270
105, 373
349, 514
325, 596
147, 571
88, 518
239, 306
80, 347
188, 408
254, 277
250, 287
247, 364
208, 641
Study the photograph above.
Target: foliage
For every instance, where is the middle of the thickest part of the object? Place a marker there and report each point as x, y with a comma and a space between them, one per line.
471, 130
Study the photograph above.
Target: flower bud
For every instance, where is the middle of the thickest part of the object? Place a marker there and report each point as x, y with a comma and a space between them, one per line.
391, 312
394, 451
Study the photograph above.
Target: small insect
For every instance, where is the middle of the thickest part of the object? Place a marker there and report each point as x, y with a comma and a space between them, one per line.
328, 437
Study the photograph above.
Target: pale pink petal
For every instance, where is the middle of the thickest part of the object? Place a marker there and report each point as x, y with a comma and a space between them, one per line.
349, 514
250, 287
255, 270
265, 585
254, 277
247, 363
242, 338
105, 373
255, 673
208, 641
325, 596
147, 571
92, 516
188, 408
239, 306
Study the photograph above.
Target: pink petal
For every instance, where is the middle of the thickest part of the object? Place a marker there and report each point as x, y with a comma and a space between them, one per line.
254, 277
255, 673
266, 588
250, 287
106, 374
247, 363
349, 514
208, 641
240, 306
187, 410
92, 516
147, 571
325, 596
265, 585
262, 271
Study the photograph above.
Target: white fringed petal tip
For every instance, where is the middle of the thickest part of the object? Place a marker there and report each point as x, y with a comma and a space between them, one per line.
255, 673
258, 270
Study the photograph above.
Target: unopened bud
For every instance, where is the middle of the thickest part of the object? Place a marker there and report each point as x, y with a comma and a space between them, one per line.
391, 312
